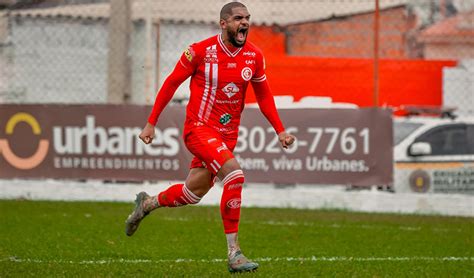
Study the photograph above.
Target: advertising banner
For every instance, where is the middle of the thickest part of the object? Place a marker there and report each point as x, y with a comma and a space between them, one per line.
334, 146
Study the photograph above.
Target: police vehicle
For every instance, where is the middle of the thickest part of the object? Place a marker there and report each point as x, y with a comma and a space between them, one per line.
434, 154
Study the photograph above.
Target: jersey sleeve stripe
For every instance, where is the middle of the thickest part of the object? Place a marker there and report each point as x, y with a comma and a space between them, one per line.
259, 79
181, 62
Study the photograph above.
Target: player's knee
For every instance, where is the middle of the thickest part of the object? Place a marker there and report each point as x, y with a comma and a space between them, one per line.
199, 182
229, 167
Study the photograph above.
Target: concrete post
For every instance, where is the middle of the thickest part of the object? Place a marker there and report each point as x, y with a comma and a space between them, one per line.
119, 74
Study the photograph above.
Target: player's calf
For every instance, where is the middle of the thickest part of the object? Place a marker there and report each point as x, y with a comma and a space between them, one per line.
175, 196
231, 200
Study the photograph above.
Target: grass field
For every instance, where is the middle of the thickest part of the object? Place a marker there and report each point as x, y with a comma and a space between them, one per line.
87, 239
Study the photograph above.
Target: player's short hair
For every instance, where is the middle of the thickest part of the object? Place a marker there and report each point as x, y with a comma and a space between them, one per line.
226, 10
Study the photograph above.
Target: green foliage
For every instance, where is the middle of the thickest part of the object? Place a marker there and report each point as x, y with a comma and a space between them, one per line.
87, 239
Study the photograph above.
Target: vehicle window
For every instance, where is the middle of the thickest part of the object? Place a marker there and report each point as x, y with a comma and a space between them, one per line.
402, 130
447, 140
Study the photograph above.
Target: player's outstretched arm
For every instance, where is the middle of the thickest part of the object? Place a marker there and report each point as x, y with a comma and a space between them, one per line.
171, 84
266, 103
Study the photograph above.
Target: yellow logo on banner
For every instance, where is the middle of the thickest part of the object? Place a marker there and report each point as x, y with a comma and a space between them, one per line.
14, 160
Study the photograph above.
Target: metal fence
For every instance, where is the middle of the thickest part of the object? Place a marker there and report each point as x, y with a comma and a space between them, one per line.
371, 53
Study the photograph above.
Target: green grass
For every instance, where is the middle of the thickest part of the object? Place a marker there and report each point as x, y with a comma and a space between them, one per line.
79, 239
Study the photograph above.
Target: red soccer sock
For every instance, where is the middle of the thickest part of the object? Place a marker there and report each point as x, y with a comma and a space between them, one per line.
177, 195
230, 201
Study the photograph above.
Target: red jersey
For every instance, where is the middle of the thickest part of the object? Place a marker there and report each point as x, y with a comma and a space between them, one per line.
219, 80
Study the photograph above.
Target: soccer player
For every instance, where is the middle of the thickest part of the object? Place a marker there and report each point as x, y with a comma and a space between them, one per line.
220, 68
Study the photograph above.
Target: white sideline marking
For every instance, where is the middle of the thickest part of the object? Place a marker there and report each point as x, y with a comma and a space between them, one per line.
313, 224
267, 259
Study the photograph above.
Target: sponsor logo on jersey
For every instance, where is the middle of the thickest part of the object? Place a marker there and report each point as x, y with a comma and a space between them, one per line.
225, 118
188, 54
234, 203
225, 129
250, 53
227, 101
230, 89
231, 65
211, 51
211, 60
211, 55
246, 73
249, 62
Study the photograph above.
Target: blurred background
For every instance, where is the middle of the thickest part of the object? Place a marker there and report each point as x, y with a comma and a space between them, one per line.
68, 51
415, 57
380, 183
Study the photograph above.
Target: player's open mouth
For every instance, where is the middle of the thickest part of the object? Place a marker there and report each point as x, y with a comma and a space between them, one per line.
241, 34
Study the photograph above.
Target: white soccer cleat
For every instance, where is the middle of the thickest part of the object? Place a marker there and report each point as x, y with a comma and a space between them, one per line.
239, 263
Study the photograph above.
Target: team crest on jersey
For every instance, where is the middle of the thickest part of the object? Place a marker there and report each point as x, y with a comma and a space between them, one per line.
230, 89
246, 73
225, 118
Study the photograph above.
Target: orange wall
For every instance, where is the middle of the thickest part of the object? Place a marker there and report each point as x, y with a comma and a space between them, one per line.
413, 82
402, 82
269, 39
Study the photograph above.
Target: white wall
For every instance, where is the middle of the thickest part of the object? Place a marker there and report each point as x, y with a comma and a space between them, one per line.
254, 195
59, 60
142, 66
65, 60
174, 39
458, 87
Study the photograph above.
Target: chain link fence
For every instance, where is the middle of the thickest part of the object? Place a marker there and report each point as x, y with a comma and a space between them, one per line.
59, 51
403, 52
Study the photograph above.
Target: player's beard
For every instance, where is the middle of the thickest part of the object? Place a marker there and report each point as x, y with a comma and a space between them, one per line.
233, 37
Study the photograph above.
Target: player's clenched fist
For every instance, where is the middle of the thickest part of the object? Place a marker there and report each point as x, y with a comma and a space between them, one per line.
286, 139
148, 133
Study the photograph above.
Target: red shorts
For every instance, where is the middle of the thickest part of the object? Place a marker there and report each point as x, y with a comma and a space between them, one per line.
210, 148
